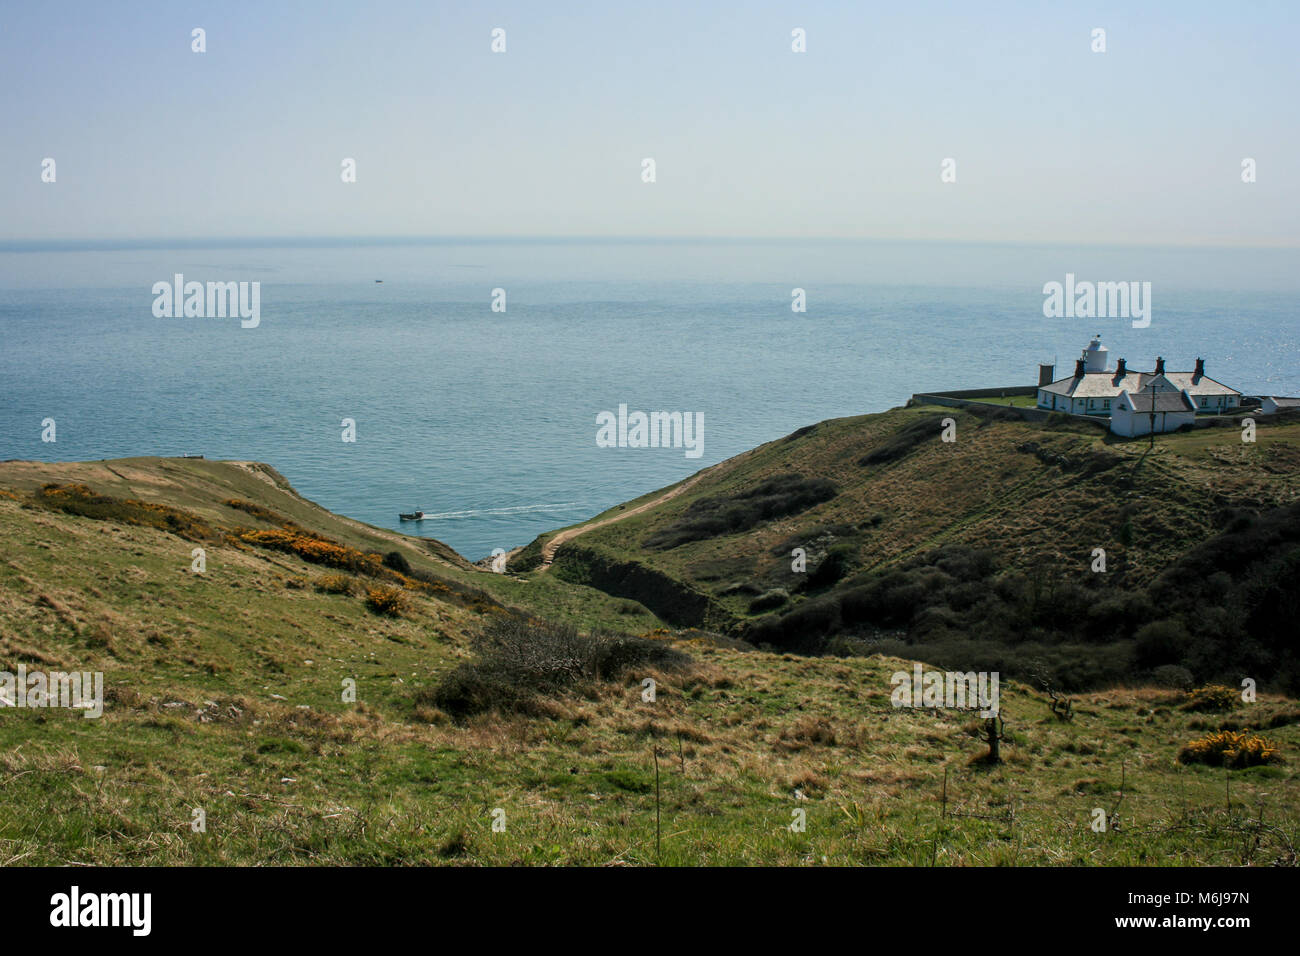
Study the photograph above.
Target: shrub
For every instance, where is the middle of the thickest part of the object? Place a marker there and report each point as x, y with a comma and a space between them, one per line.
1171, 675
740, 587
389, 601
1162, 642
518, 662
832, 568
257, 511
1229, 749
334, 584
397, 562
904, 440
805, 627
316, 550
776, 497
961, 562
82, 500
769, 600
1213, 698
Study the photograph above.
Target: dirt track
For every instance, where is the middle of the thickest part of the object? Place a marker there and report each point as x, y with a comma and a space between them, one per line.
568, 534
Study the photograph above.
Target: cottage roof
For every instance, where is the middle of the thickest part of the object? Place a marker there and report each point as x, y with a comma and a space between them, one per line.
1111, 384
1099, 384
1156, 400
1199, 384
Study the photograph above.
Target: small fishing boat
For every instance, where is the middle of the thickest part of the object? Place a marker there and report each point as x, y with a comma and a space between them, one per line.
411, 515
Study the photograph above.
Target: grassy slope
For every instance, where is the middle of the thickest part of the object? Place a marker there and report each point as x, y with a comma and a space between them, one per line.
195, 666
1046, 508
200, 486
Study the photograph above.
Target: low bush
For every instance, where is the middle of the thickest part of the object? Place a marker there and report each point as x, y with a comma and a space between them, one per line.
903, 441
839, 559
1213, 699
389, 601
335, 584
1171, 675
396, 561
519, 662
316, 550
776, 497
1227, 748
740, 587
1162, 642
772, 599
82, 500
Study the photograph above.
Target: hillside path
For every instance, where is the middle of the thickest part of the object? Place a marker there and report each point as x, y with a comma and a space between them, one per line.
568, 534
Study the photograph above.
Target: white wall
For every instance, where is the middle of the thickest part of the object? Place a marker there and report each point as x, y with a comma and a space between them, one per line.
1129, 424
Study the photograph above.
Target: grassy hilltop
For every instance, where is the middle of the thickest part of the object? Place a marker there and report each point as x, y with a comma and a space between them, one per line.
478, 692
980, 552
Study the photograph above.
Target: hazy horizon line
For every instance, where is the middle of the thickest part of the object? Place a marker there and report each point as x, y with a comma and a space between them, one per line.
91, 243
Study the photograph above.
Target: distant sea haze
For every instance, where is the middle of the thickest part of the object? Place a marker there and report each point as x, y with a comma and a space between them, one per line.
487, 420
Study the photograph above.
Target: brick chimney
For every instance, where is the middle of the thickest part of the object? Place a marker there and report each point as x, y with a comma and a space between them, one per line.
1121, 369
1200, 369
1160, 365
1078, 368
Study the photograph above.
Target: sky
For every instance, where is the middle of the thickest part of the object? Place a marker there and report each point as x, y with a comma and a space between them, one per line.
1052, 142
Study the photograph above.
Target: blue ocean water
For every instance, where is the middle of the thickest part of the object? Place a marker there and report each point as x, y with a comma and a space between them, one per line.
487, 420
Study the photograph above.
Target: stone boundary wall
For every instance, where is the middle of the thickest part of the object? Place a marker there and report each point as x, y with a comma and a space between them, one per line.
1007, 392
960, 398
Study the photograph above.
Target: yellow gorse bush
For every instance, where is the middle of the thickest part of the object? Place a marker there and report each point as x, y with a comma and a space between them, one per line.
1215, 697
1227, 748
386, 600
334, 584
315, 550
79, 499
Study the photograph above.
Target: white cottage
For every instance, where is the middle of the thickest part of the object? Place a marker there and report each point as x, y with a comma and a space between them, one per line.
1272, 404
1094, 390
1153, 409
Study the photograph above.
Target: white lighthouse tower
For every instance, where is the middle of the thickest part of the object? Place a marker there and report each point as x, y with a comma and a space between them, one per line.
1096, 357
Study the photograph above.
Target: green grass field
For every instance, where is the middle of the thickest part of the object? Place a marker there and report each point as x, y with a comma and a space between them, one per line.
225, 695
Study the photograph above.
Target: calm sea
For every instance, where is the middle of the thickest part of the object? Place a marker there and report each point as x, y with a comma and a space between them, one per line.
487, 420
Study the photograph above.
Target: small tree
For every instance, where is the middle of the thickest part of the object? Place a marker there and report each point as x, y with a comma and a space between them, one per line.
994, 734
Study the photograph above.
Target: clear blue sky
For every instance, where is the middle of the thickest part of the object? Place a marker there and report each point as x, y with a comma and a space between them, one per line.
1052, 141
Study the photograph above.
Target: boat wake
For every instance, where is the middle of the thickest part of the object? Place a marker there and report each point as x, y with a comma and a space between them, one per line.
490, 512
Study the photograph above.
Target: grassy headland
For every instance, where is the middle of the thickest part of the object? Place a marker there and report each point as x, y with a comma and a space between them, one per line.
227, 689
